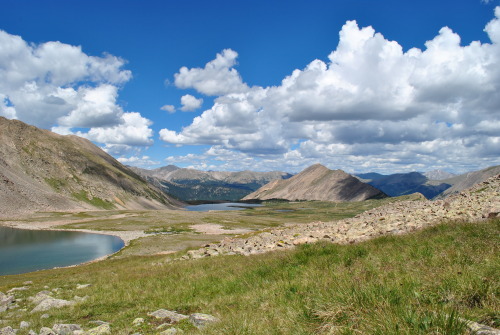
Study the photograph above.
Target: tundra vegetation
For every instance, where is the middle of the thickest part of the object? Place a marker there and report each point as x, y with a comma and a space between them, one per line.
426, 282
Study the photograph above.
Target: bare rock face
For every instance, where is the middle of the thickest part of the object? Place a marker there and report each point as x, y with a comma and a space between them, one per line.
317, 183
44, 171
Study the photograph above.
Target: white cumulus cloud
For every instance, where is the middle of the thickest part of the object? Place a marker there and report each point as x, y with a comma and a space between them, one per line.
216, 78
168, 108
58, 86
371, 101
190, 103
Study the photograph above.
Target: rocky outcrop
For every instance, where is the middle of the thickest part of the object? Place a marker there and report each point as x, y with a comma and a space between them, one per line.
480, 202
170, 318
317, 183
164, 321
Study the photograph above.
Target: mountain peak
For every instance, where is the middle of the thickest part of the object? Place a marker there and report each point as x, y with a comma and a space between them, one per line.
45, 171
317, 183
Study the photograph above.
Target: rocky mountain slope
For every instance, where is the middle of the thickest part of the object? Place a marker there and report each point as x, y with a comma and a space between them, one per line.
480, 202
317, 183
192, 185
44, 171
405, 183
467, 180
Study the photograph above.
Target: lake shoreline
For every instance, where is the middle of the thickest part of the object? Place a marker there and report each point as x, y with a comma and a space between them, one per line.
125, 236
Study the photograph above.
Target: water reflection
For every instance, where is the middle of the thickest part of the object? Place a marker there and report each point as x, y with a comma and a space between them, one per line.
29, 250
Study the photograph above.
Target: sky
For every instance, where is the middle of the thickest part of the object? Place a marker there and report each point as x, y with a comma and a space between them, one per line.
359, 85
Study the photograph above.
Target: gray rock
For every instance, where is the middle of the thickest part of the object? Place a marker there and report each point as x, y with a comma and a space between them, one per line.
137, 322
80, 286
32, 332
200, 320
50, 303
44, 316
7, 331
99, 322
6, 300
65, 329
173, 316
47, 331
104, 329
40, 296
480, 329
15, 289
24, 324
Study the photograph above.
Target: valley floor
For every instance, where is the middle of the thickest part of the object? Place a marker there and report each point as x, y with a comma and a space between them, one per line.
428, 282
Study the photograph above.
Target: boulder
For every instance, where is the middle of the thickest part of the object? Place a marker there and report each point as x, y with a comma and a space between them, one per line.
137, 322
50, 303
6, 302
40, 296
103, 329
80, 286
65, 329
7, 331
171, 315
480, 329
15, 289
200, 320
47, 331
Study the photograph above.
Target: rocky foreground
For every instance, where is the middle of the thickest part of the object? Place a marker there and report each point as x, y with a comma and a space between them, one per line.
45, 302
477, 203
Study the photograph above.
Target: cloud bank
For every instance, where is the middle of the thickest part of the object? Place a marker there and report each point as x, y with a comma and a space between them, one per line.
57, 86
371, 106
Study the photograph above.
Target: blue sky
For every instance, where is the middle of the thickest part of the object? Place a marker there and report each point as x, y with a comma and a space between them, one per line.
266, 85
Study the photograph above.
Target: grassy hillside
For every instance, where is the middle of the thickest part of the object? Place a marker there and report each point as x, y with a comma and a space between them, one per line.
414, 284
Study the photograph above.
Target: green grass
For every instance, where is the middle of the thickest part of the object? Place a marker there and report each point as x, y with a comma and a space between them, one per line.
420, 283
94, 201
56, 184
168, 230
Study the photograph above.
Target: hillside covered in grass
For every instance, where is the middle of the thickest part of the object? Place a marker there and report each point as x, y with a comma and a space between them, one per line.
420, 283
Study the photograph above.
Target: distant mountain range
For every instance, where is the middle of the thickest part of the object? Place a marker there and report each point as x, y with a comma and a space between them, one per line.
196, 185
433, 185
317, 183
44, 171
405, 183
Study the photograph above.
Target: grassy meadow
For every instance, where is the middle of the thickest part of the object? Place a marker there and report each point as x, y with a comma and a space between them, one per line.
421, 283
